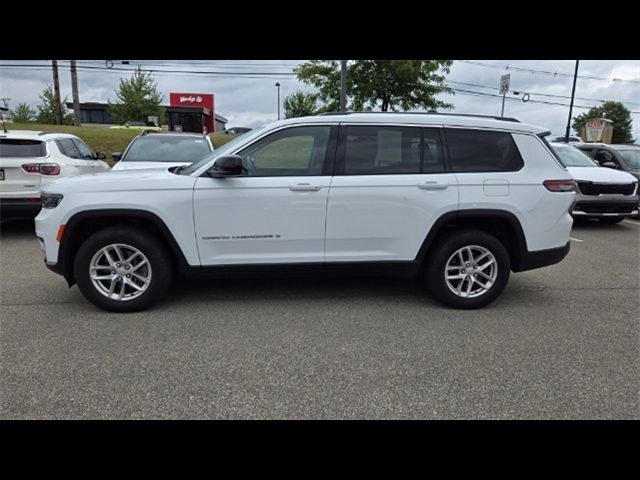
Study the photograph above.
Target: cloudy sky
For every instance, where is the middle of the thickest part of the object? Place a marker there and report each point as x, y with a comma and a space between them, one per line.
245, 90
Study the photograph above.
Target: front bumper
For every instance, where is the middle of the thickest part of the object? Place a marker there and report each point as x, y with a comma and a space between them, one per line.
605, 205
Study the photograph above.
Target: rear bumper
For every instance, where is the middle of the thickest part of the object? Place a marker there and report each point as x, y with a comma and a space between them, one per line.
19, 207
542, 258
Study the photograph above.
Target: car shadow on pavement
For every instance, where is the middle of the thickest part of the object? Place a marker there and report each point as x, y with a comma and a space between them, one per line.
17, 228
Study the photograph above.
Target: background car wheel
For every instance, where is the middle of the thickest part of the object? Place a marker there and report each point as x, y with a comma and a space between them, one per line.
467, 269
610, 220
123, 269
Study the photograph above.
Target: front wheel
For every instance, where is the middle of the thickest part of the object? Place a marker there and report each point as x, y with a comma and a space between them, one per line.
123, 269
467, 269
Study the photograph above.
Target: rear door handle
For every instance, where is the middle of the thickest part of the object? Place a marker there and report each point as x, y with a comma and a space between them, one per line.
304, 187
432, 186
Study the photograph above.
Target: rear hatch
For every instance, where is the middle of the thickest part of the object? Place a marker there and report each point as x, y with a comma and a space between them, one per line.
15, 182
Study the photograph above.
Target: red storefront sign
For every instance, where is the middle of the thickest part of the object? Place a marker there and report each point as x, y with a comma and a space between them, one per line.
195, 100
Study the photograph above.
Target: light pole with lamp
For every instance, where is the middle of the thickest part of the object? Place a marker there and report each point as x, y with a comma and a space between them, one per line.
278, 85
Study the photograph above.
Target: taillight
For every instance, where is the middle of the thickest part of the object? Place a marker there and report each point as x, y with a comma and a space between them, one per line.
42, 168
560, 185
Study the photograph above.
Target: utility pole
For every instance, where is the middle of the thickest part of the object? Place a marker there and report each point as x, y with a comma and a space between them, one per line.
74, 92
278, 87
56, 92
573, 92
343, 86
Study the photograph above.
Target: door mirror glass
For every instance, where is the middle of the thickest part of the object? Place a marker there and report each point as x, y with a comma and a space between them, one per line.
227, 166
100, 156
116, 156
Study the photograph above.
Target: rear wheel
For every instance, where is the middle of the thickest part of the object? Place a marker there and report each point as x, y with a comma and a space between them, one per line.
123, 269
467, 269
610, 220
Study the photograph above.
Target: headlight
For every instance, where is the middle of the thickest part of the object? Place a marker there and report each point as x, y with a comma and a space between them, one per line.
50, 200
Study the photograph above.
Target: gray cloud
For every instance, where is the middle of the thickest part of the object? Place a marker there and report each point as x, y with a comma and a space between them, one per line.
253, 101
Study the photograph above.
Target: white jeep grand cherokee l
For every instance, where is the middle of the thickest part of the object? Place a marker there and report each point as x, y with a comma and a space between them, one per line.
457, 201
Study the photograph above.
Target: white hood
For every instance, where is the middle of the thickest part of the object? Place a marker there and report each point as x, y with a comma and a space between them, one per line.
600, 175
144, 165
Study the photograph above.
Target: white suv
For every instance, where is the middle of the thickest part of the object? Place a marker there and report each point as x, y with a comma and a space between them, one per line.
458, 201
29, 160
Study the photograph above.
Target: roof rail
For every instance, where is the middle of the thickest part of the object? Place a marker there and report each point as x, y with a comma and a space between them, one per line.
506, 119
54, 133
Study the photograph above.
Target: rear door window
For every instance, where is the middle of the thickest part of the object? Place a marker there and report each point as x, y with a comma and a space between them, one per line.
482, 151
68, 148
18, 148
85, 151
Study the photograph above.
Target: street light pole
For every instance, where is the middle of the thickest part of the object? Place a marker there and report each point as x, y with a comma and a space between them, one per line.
573, 92
278, 85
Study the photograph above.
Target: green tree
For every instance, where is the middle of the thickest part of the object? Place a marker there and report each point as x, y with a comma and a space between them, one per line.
383, 84
614, 111
138, 97
46, 109
300, 104
24, 114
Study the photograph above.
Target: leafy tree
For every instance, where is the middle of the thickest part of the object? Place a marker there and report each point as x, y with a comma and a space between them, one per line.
47, 109
383, 84
24, 114
614, 111
138, 97
300, 104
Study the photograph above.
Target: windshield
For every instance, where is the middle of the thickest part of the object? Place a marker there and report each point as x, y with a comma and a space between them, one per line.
224, 149
572, 157
169, 148
631, 157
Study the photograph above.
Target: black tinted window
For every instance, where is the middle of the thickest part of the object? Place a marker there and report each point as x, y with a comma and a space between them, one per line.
21, 148
380, 150
482, 151
85, 151
68, 148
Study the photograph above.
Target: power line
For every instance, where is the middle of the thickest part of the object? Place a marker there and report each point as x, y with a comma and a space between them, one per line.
547, 72
543, 94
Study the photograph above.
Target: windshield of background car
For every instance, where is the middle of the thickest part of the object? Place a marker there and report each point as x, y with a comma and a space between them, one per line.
631, 157
222, 150
168, 148
17, 148
572, 157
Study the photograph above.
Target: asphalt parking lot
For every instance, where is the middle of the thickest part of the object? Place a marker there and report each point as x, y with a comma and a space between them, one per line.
561, 342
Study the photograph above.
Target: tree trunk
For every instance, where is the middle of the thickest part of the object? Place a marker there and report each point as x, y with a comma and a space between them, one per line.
74, 90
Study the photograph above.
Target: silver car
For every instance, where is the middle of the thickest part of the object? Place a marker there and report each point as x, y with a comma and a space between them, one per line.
606, 194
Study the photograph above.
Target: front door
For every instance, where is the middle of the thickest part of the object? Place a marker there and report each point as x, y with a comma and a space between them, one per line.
276, 212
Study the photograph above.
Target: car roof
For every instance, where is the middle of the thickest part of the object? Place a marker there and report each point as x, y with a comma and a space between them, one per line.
35, 135
417, 118
172, 134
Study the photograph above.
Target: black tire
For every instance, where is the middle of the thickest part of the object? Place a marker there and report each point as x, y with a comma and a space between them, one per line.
610, 220
153, 248
445, 247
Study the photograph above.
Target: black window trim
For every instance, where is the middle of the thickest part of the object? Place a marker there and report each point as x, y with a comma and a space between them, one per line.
339, 162
484, 129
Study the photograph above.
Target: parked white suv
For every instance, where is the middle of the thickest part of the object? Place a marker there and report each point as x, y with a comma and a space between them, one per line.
29, 160
458, 201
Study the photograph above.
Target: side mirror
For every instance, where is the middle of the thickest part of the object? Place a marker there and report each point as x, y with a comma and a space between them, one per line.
101, 156
116, 156
227, 166
610, 165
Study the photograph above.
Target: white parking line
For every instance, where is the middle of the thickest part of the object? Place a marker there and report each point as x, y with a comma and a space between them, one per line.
632, 222
575, 239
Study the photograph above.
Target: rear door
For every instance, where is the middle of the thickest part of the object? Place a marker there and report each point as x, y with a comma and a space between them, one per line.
390, 186
15, 181
89, 163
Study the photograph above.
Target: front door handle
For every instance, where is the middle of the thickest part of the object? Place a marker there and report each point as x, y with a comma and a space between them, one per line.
304, 187
432, 186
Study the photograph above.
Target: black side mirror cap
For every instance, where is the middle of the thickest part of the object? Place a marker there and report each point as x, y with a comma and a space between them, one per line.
227, 166
116, 156
101, 156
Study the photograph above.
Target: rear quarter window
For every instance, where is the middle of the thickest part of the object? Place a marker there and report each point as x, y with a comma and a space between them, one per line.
482, 151
18, 148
